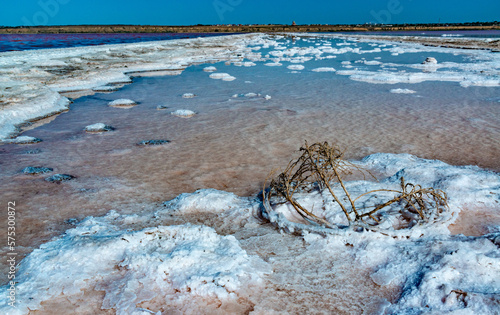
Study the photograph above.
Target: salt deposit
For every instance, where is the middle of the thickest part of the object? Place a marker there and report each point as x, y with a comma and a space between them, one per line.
431, 270
430, 60
402, 91
372, 63
24, 71
188, 95
23, 140
210, 69
222, 76
106, 88
324, 69
296, 67
212, 251
190, 261
123, 103
183, 113
273, 64
98, 127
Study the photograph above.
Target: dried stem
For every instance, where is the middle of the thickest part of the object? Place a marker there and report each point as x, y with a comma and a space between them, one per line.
321, 165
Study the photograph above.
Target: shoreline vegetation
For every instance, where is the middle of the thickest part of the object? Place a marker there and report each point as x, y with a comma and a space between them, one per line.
252, 28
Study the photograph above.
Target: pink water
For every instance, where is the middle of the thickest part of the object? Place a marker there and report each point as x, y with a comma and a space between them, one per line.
232, 143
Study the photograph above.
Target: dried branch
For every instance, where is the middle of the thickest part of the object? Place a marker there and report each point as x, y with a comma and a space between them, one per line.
321, 166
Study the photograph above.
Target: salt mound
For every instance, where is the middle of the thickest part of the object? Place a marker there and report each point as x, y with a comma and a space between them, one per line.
430, 60
402, 91
183, 113
296, 67
324, 69
210, 69
372, 63
142, 265
218, 75
273, 64
122, 102
99, 127
188, 95
223, 76
23, 140
170, 265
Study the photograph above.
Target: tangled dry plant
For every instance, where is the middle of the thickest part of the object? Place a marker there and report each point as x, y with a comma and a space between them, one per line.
321, 167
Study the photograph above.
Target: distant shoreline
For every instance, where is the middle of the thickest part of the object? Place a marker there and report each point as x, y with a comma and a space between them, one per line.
68, 29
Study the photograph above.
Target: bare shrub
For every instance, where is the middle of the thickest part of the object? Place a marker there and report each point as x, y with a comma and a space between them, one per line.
322, 166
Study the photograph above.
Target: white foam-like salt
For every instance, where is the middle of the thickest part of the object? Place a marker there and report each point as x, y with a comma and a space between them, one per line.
222, 76
98, 66
324, 69
435, 272
188, 95
22, 140
386, 77
122, 102
178, 264
163, 263
210, 69
296, 67
183, 113
98, 127
402, 91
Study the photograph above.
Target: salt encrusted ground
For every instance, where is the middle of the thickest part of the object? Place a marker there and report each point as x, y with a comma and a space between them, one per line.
213, 251
33, 80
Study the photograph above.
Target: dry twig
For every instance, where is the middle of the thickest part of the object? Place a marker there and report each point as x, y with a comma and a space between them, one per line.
321, 166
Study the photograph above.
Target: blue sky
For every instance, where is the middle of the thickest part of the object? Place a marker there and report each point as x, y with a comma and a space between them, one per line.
189, 12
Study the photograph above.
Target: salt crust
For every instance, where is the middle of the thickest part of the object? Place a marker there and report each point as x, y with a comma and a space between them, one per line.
98, 127
133, 258
122, 102
28, 98
183, 113
402, 91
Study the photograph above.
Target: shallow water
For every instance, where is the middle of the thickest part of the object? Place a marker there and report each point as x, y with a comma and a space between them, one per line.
17, 42
451, 33
234, 141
